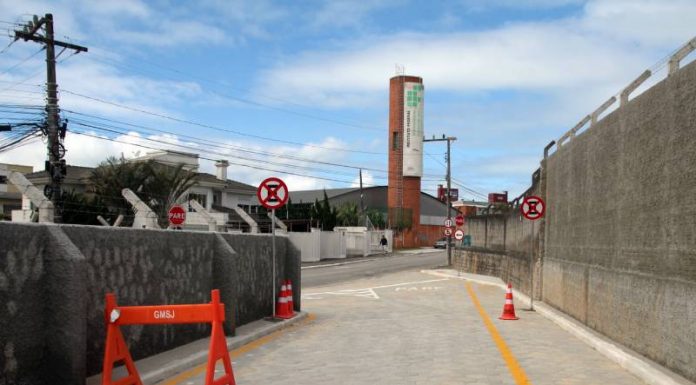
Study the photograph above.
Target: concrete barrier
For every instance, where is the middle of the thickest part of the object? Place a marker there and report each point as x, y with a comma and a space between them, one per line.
53, 280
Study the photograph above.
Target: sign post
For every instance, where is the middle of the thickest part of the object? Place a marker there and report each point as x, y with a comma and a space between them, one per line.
532, 208
273, 194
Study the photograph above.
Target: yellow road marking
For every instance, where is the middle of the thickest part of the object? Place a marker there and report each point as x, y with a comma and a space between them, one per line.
512, 364
235, 353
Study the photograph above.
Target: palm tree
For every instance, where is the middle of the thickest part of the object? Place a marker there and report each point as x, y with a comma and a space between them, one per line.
159, 186
113, 175
165, 186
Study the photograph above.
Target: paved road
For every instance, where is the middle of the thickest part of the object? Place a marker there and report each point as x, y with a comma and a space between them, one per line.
371, 266
414, 328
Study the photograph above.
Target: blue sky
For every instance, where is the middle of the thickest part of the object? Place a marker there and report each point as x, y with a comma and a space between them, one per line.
505, 77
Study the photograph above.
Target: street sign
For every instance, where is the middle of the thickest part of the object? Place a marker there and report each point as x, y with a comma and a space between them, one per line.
272, 193
448, 231
177, 215
459, 220
459, 235
533, 207
448, 222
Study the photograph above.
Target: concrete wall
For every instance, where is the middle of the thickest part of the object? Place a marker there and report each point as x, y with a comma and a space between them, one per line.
620, 243
53, 280
617, 247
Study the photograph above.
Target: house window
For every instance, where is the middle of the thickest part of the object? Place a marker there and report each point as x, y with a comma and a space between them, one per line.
217, 198
395, 141
3, 179
200, 198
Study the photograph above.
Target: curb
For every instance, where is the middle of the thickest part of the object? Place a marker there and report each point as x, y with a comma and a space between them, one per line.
168, 364
633, 362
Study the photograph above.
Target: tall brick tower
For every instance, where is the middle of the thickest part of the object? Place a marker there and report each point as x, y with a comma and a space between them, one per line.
405, 157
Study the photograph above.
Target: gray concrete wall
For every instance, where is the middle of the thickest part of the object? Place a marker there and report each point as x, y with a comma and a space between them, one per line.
620, 243
53, 280
617, 247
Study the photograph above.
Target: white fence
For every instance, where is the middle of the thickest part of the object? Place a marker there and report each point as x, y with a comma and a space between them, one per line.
341, 242
319, 245
360, 242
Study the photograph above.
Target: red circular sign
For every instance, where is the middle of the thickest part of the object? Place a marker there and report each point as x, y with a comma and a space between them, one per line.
273, 193
177, 215
533, 207
459, 220
459, 235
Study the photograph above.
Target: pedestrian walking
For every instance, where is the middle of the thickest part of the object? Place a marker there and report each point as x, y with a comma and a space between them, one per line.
383, 243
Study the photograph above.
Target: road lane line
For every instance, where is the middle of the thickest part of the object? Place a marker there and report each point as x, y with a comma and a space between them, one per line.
515, 369
183, 376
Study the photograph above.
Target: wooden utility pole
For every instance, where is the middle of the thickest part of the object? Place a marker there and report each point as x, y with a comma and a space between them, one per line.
55, 166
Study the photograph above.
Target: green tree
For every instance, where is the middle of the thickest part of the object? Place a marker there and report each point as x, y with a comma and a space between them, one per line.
324, 214
164, 187
82, 210
347, 214
113, 175
159, 186
377, 218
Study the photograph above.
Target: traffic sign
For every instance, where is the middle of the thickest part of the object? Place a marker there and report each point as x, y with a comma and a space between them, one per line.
448, 231
448, 222
177, 215
272, 193
533, 207
459, 235
459, 220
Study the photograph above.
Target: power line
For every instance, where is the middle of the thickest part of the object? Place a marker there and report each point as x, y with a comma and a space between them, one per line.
189, 122
228, 146
21, 62
226, 86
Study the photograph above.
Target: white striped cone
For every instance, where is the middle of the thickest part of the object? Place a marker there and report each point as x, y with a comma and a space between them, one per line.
291, 304
509, 307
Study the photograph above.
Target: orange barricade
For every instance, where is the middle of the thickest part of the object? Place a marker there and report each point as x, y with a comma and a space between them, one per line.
115, 349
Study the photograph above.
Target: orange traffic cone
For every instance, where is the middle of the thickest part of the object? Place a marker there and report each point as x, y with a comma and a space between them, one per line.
291, 305
282, 309
509, 308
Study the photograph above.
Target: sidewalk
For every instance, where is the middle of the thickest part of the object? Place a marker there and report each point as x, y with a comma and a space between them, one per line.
371, 257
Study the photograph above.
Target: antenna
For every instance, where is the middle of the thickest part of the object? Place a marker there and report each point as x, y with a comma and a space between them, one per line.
399, 69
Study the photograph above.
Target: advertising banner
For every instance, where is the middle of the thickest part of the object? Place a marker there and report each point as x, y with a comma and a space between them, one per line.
413, 129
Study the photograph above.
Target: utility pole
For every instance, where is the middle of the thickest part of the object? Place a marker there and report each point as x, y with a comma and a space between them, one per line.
449, 140
55, 166
362, 205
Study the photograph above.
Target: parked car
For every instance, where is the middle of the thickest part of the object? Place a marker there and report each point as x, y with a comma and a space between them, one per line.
442, 243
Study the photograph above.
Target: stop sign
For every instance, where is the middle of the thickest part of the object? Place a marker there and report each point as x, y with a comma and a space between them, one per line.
459, 220
177, 215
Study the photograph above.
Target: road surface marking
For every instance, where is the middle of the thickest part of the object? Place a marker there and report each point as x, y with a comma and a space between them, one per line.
416, 288
366, 292
512, 364
253, 345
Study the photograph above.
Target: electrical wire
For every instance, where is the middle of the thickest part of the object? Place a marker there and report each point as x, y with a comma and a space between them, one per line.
21, 62
227, 86
189, 122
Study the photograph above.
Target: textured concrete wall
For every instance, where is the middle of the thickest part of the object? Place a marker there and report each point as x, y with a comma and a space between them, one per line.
620, 243
53, 280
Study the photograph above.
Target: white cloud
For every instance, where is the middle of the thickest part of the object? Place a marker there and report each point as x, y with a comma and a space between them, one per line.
170, 33
570, 53
647, 22
346, 13
368, 180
